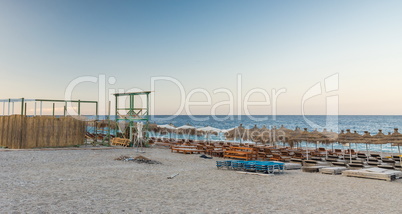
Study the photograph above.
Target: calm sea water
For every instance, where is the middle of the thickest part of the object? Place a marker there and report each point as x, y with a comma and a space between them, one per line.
359, 123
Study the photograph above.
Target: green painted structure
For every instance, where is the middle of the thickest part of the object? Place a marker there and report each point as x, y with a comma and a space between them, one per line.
24, 102
133, 114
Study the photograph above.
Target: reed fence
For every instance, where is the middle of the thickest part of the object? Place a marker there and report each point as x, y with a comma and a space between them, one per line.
21, 132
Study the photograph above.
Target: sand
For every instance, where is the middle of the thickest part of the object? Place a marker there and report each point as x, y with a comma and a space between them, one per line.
91, 181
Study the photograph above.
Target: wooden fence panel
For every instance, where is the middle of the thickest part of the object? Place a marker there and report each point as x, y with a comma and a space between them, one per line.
20, 132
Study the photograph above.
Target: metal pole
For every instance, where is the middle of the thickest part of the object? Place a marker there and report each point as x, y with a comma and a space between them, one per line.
116, 112
8, 109
147, 125
367, 152
131, 111
25, 111
35, 110
65, 108
96, 106
79, 107
12, 109
96, 120
108, 121
53, 108
400, 157
41, 108
22, 106
350, 152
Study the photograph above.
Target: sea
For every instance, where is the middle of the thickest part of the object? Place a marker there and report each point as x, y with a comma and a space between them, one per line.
359, 123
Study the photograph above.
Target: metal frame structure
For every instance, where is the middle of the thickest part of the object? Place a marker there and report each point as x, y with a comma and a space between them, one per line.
24, 102
133, 114
24, 105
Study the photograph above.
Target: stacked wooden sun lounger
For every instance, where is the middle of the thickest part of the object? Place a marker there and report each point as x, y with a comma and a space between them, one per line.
245, 153
186, 149
374, 173
117, 141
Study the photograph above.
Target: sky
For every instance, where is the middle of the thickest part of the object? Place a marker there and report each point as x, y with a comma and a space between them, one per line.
207, 57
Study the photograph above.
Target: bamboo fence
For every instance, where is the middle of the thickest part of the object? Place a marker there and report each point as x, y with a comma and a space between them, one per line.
21, 132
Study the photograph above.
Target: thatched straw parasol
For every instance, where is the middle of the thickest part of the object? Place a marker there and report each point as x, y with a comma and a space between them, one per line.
331, 137
318, 137
396, 140
106, 124
168, 128
368, 139
282, 134
208, 130
379, 138
348, 138
265, 134
152, 127
186, 130
252, 134
299, 136
236, 133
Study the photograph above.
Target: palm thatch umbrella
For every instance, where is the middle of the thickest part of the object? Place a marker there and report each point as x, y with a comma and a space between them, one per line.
368, 139
168, 128
299, 136
331, 137
396, 140
252, 134
265, 134
282, 134
187, 130
379, 138
208, 130
106, 124
349, 138
294, 136
319, 137
152, 127
236, 133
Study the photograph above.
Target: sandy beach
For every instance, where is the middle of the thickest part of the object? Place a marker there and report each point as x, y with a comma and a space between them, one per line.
91, 181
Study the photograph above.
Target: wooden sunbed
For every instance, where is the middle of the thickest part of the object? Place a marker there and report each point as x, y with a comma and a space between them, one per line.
245, 153
186, 149
333, 170
117, 141
374, 173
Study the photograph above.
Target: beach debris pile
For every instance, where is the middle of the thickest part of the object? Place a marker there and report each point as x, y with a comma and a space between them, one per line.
138, 159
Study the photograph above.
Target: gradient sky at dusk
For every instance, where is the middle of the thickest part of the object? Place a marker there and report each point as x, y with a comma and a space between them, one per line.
46, 44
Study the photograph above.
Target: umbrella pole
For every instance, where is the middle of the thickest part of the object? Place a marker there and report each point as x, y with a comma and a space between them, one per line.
343, 151
381, 149
400, 158
307, 150
350, 152
367, 152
